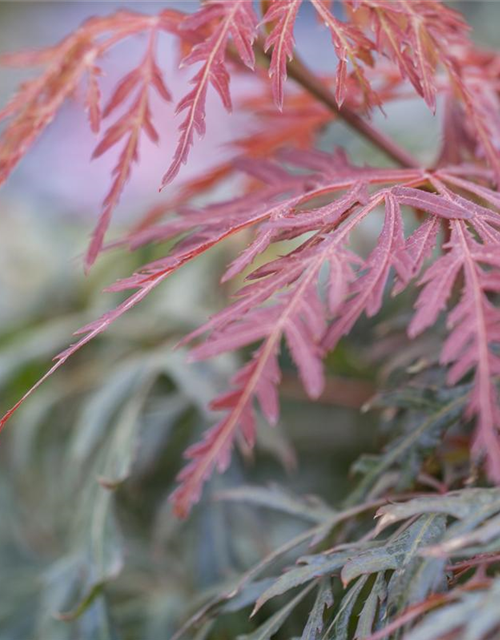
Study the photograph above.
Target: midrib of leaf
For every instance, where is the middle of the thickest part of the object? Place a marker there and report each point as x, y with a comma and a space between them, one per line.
274, 623
361, 298
394, 454
421, 32
292, 8
483, 369
421, 535
207, 69
325, 15
269, 347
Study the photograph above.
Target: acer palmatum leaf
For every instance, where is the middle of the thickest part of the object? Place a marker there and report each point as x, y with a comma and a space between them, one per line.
37, 102
285, 301
299, 317
351, 46
365, 292
281, 15
479, 96
474, 324
418, 247
93, 98
258, 378
130, 125
235, 20
66, 66
418, 35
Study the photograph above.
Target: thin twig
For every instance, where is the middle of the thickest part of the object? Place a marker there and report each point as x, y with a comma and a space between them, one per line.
298, 71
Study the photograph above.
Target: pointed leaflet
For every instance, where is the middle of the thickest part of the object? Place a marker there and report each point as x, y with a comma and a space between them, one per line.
311, 568
418, 35
296, 312
298, 315
418, 247
482, 106
474, 327
236, 20
67, 63
323, 602
366, 292
291, 317
145, 281
93, 99
283, 14
398, 552
130, 125
351, 46
37, 102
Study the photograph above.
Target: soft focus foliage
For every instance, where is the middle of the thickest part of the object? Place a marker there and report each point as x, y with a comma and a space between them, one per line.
411, 548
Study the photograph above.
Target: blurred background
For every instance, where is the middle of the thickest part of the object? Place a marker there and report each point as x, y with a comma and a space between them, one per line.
88, 462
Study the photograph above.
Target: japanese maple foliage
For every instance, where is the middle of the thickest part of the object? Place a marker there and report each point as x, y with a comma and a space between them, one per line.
315, 292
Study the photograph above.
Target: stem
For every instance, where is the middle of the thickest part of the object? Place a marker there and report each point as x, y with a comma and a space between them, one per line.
309, 81
301, 74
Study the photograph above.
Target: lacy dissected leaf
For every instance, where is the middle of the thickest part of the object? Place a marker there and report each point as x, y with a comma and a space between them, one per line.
366, 293
411, 578
397, 553
128, 127
235, 20
323, 602
477, 527
297, 314
474, 322
473, 111
286, 300
277, 498
470, 615
351, 46
384, 596
66, 66
462, 505
420, 37
33, 108
427, 414
417, 36
281, 15
315, 566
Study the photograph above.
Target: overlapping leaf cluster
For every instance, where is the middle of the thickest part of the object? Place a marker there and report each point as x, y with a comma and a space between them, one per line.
439, 231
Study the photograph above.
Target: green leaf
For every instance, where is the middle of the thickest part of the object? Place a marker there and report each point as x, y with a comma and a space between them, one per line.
324, 600
100, 408
316, 567
279, 499
367, 616
484, 538
471, 505
275, 622
475, 614
98, 548
121, 448
446, 407
398, 553
341, 622
248, 595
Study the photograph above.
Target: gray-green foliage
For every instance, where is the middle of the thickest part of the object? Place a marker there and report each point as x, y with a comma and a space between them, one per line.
90, 551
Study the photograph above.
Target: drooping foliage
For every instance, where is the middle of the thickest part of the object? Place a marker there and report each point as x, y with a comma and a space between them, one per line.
438, 235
